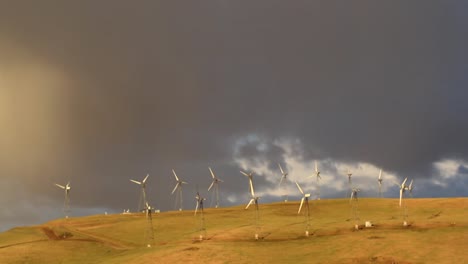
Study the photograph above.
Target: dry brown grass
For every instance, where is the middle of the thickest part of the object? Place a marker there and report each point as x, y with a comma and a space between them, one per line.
438, 233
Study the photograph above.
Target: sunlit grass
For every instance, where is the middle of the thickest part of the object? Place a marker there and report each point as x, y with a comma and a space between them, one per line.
437, 234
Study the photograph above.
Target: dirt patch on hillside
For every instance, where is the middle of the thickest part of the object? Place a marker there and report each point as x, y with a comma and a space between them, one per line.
374, 260
49, 233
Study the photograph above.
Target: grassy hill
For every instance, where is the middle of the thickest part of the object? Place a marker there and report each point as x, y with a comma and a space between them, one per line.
437, 233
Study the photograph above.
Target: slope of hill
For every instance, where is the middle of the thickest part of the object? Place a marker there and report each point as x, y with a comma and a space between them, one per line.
437, 233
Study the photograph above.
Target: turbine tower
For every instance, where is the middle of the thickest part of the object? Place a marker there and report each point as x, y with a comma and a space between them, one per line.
317, 175
215, 184
253, 200
305, 197
66, 202
380, 183
282, 182
142, 203
178, 187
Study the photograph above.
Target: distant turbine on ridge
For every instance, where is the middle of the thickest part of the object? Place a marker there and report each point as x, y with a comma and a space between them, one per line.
380, 183
178, 187
318, 178
66, 202
215, 184
410, 188
402, 187
305, 197
143, 202
283, 181
253, 200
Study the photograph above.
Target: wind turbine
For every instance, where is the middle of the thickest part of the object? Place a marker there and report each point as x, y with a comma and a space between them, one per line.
354, 194
410, 188
215, 183
178, 187
252, 192
143, 200
253, 200
149, 234
353, 200
66, 203
199, 204
317, 175
349, 178
202, 228
380, 183
305, 197
402, 187
282, 181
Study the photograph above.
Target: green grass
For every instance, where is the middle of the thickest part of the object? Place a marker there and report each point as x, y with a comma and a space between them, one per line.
437, 234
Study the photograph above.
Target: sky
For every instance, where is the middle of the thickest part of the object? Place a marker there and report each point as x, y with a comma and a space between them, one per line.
100, 92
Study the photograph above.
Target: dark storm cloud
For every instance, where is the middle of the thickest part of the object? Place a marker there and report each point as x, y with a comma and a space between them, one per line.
153, 85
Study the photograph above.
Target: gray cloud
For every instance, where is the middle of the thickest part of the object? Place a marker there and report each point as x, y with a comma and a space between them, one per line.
112, 90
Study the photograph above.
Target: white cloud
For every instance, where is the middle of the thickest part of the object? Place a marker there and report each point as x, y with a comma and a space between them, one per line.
447, 169
333, 172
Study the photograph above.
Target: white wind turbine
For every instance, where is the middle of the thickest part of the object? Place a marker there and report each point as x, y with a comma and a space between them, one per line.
305, 197
410, 188
149, 234
380, 183
143, 201
199, 204
282, 181
178, 187
215, 184
354, 194
318, 178
66, 203
403, 188
353, 200
253, 200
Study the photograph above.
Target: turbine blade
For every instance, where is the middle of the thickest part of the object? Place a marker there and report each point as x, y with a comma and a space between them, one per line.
316, 167
380, 174
196, 208
300, 206
410, 185
177, 185
251, 201
212, 174
144, 180
209, 188
251, 188
300, 189
175, 175
403, 183
281, 169
281, 181
244, 173
137, 182
184, 182
61, 186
